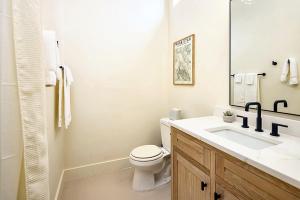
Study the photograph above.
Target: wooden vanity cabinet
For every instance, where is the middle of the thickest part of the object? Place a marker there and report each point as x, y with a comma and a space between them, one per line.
191, 164
202, 172
192, 183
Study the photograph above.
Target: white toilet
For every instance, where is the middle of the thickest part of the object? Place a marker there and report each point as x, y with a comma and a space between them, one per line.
152, 163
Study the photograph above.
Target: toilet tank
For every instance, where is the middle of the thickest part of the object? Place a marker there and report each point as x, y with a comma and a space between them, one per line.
165, 131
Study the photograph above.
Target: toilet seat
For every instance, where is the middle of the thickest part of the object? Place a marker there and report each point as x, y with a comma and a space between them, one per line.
146, 153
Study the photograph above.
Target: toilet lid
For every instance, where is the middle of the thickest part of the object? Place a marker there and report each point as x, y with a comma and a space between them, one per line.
146, 152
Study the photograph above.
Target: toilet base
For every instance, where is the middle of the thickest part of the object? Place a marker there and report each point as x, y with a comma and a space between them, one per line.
144, 180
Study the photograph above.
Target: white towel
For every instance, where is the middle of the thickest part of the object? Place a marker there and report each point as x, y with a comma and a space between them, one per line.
250, 78
51, 78
68, 80
285, 71
239, 90
290, 67
238, 78
293, 72
252, 88
51, 56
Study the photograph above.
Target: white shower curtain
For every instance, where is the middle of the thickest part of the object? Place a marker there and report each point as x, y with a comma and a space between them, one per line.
30, 78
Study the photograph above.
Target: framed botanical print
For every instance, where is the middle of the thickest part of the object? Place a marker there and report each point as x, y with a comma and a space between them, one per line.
184, 61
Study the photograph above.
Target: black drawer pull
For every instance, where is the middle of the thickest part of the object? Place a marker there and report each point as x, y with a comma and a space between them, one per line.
203, 185
217, 196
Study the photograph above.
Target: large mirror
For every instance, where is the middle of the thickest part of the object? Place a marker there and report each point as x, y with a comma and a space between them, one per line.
265, 54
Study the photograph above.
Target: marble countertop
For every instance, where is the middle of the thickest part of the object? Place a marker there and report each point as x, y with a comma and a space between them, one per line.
281, 161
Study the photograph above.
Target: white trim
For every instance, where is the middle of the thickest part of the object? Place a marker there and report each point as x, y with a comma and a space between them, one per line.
8, 157
9, 84
88, 170
96, 169
58, 194
5, 15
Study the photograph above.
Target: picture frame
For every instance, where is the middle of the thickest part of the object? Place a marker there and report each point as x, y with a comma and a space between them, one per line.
184, 61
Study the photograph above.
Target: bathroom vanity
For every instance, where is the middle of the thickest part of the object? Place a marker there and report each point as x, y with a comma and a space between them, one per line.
211, 160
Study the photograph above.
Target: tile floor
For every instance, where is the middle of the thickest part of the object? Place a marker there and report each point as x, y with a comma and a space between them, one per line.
112, 186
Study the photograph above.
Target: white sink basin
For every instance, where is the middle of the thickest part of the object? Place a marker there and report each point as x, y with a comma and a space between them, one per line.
246, 138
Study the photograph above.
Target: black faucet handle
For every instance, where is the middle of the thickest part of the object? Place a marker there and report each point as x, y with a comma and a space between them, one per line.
245, 121
275, 129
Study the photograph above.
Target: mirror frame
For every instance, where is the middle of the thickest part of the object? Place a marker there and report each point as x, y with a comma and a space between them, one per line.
229, 75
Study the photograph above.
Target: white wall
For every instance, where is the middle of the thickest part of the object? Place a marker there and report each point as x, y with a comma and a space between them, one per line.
123, 81
117, 51
52, 20
262, 32
209, 21
56, 145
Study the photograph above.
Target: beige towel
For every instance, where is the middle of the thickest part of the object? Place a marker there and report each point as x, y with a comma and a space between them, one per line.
65, 79
59, 75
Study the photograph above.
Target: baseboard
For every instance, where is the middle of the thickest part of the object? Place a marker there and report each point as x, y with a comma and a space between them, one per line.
58, 195
95, 169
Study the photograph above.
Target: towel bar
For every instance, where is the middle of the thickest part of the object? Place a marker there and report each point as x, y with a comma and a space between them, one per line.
262, 74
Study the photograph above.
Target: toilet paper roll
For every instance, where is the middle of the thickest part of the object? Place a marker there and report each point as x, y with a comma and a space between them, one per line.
175, 114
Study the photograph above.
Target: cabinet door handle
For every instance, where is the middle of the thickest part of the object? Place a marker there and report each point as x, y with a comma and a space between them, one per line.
203, 185
217, 196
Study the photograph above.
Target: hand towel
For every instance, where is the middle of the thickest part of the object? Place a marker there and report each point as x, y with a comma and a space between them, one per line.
239, 90
51, 56
238, 78
68, 80
252, 91
285, 71
250, 78
51, 78
293, 72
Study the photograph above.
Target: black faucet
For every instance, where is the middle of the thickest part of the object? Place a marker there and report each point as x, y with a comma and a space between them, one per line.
285, 104
258, 118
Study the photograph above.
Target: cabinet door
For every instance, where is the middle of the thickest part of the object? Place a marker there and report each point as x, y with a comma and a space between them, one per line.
225, 194
189, 182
